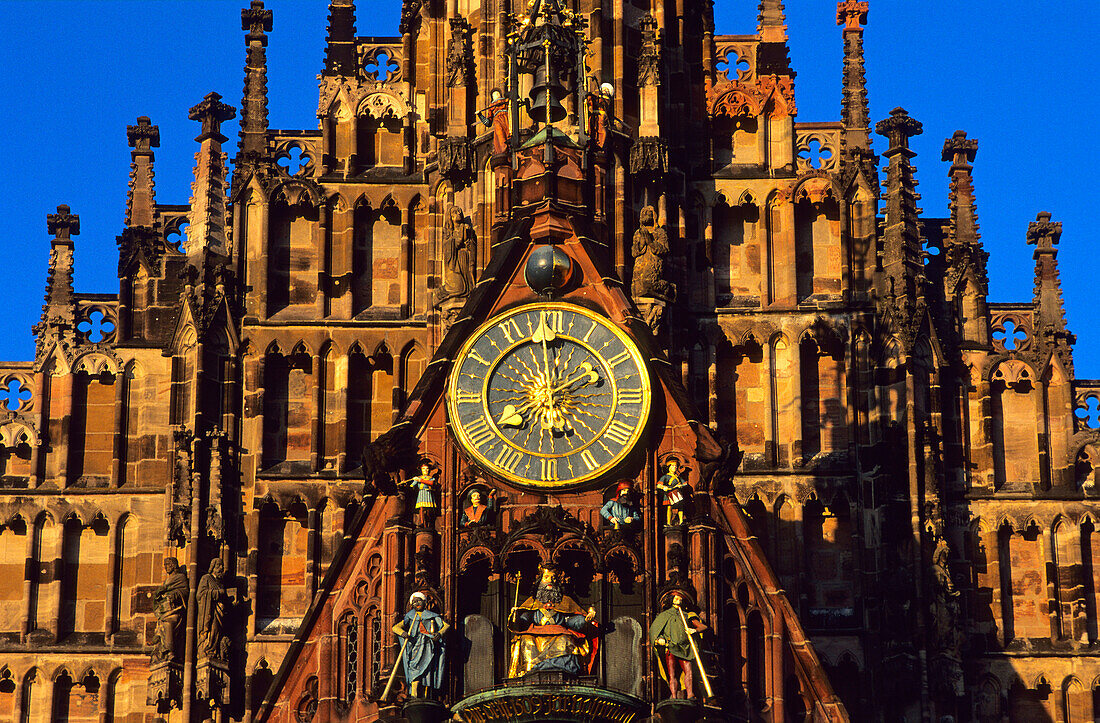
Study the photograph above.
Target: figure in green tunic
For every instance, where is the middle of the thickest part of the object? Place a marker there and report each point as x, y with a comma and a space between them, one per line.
670, 638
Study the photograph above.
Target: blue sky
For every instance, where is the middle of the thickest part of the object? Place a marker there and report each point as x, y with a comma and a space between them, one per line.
1020, 77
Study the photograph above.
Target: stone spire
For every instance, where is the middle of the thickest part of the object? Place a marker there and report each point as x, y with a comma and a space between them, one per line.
771, 23
772, 53
257, 21
1050, 313
960, 151
965, 257
208, 201
1044, 235
141, 201
340, 49
852, 15
901, 253
58, 310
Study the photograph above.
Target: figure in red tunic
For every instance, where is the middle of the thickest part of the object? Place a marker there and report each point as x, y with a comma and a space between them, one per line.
495, 116
479, 513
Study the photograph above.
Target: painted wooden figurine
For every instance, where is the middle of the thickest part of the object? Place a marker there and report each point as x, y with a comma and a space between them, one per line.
426, 504
671, 634
677, 492
621, 512
424, 647
479, 512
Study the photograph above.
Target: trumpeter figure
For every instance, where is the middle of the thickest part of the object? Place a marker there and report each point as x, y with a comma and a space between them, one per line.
672, 634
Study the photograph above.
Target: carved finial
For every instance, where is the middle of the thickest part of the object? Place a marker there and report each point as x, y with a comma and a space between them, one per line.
1044, 234
144, 136
852, 14
965, 257
58, 312
340, 48
898, 129
959, 149
902, 264
211, 112
63, 224
410, 16
1050, 313
257, 21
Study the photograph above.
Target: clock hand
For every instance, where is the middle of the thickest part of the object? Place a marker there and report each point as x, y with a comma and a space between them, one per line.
543, 334
511, 416
587, 373
554, 416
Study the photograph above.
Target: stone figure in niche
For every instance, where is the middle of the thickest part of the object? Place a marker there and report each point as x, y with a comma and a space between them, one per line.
495, 116
676, 493
426, 567
669, 635
171, 606
650, 247
459, 254
213, 603
458, 54
621, 512
552, 632
945, 605
425, 485
424, 648
479, 511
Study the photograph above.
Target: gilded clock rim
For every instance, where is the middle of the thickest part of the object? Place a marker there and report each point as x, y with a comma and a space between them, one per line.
470, 449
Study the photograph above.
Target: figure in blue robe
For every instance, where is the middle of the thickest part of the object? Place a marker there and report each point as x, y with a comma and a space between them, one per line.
621, 512
425, 650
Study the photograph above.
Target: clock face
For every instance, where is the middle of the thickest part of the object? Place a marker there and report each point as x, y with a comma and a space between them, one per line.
548, 395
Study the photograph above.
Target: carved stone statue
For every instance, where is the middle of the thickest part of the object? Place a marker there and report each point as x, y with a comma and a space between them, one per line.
458, 54
425, 485
621, 512
213, 602
945, 604
170, 611
459, 253
650, 247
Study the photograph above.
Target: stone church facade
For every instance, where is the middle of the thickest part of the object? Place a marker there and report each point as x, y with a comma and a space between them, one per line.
869, 488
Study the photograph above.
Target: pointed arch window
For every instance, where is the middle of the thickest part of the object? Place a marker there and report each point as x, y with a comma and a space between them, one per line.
373, 627
348, 637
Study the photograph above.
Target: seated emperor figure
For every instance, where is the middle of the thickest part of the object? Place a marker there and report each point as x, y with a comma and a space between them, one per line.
552, 632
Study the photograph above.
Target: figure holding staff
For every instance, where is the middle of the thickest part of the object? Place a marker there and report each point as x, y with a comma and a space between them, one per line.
423, 652
672, 635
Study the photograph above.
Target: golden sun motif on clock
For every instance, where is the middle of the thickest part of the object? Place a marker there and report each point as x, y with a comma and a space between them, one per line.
549, 395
